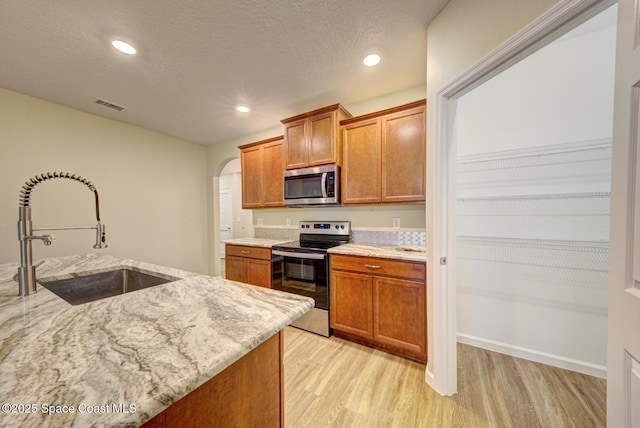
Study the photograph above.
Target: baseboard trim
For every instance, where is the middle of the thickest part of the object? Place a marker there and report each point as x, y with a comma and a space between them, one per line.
536, 356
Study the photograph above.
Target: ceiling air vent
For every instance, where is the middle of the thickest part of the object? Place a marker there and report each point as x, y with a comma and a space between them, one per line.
109, 105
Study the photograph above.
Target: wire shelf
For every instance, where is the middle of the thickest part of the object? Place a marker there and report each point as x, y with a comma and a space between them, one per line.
567, 216
533, 225
572, 163
566, 274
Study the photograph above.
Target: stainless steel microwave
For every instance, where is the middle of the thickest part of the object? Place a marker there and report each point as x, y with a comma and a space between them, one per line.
312, 186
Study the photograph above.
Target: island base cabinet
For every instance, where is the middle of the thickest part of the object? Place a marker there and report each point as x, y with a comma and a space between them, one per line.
249, 393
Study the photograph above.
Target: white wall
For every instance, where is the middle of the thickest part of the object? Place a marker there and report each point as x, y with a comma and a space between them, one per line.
152, 187
521, 288
560, 94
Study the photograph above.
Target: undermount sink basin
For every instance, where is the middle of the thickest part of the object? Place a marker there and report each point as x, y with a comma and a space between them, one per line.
96, 286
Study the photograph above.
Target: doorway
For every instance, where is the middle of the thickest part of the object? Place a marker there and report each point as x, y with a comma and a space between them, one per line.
533, 184
235, 222
566, 15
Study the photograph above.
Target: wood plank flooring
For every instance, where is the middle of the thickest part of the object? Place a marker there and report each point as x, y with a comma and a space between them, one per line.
330, 382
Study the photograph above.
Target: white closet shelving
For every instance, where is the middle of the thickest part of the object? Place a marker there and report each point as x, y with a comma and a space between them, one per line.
533, 225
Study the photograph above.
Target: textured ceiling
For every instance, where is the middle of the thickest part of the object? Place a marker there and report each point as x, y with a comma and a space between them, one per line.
197, 59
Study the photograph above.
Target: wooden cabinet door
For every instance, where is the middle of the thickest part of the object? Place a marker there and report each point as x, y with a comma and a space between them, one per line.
351, 303
322, 148
399, 314
251, 161
361, 162
259, 272
404, 156
251, 265
248, 393
235, 268
262, 167
273, 166
296, 147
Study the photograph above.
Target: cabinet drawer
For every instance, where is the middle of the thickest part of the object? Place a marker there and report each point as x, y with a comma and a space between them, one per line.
378, 266
248, 251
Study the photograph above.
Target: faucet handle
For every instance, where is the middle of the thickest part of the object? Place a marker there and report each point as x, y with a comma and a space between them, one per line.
101, 239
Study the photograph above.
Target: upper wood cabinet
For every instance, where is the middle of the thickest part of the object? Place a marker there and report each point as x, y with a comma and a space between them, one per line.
262, 167
384, 156
313, 138
361, 180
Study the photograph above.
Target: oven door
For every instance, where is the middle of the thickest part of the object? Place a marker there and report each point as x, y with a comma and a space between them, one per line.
300, 273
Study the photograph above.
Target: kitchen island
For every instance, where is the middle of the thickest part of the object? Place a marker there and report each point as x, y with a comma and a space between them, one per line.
122, 360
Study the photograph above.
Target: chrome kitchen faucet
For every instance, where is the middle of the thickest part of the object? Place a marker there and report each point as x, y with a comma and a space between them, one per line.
27, 271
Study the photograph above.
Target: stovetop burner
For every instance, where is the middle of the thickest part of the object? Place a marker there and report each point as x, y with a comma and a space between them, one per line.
309, 245
318, 236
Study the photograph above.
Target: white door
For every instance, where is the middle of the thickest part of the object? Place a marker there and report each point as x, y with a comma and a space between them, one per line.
226, 216
623, 374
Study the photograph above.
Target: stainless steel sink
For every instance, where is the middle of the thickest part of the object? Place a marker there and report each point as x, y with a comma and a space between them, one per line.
88, 288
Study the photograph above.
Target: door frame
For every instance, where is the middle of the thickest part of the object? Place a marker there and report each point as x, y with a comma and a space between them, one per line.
441, 373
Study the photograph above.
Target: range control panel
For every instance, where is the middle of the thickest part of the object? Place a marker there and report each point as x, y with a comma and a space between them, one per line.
326, 227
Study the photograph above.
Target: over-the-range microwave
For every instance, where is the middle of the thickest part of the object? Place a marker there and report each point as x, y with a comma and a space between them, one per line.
312, 186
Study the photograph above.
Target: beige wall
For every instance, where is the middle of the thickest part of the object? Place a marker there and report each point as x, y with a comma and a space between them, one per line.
152, 187
411, 216
464, 32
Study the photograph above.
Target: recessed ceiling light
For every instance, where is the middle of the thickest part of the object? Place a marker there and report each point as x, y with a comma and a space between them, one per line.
371, 60
124, 47
243, 109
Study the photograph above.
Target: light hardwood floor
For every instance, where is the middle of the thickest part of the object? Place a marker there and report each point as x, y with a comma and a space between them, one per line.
330, 382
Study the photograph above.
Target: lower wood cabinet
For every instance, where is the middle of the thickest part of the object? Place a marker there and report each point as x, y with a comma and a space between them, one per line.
251, 265
381, 303
249, 393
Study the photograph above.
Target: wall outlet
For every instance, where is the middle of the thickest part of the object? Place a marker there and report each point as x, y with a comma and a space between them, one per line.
396, 222
288, 221
260, 222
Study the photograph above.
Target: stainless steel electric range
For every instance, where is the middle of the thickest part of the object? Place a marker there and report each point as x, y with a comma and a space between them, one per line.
302, 267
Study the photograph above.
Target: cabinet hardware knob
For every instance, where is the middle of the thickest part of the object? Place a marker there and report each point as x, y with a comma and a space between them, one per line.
372, 266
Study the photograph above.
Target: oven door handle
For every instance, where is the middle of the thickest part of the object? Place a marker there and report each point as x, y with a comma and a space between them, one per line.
298, 255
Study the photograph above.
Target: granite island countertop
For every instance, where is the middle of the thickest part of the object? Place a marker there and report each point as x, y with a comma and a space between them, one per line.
127, 357
401, 252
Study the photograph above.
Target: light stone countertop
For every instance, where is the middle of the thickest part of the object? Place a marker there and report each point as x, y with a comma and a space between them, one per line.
147, 348
401, 252
255, 242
